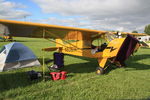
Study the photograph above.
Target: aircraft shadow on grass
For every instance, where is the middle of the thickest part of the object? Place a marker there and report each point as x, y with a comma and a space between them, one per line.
75, 67
92, 64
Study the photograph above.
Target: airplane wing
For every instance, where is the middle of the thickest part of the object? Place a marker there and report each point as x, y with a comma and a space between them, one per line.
28, 29
37, 30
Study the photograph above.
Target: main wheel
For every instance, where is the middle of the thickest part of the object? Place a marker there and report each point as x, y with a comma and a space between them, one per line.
99, 70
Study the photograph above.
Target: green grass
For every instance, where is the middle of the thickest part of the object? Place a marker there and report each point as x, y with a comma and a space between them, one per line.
148, 41
132, 82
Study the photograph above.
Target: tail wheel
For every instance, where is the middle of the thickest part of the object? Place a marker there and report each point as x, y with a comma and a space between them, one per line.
99, 70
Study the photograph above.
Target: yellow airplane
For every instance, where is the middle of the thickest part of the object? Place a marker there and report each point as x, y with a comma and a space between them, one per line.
79, 42
6, 38
4, 33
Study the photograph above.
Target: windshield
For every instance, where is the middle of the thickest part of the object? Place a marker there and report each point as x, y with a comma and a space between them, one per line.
110, 36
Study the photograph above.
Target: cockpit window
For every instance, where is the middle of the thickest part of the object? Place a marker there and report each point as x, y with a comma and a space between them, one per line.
101, 41
105, 38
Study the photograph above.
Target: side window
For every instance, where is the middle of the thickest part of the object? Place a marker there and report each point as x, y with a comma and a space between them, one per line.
98, 42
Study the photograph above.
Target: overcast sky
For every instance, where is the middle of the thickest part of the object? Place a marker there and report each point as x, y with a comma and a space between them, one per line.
122, 15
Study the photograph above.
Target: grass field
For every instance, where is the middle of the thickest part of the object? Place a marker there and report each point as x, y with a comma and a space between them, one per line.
130, 83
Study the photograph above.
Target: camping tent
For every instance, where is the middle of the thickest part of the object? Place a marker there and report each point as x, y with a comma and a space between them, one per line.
16, 55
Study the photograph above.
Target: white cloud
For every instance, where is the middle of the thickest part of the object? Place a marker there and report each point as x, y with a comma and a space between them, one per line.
126, 15
120, 29
11, 10
86, 7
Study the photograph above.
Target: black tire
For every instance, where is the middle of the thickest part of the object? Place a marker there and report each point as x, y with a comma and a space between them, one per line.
99, 70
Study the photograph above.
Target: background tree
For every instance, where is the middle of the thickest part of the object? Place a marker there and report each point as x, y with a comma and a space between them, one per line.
147, 29
134, 31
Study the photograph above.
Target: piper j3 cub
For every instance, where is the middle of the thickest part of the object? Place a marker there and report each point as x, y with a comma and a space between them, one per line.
79, 42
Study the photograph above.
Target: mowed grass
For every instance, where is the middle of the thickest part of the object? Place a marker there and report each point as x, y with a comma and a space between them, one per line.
132, 82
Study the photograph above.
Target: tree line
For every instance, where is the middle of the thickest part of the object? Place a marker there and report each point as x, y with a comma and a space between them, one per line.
146, 30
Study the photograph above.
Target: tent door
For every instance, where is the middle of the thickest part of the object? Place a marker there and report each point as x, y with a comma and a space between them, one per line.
2, 59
